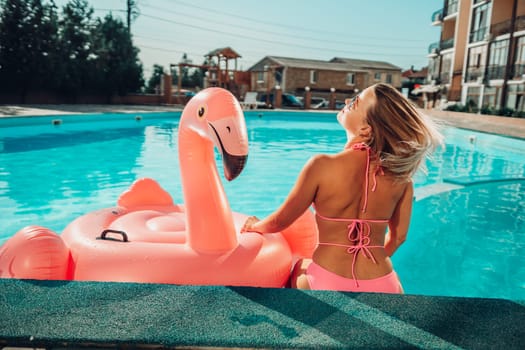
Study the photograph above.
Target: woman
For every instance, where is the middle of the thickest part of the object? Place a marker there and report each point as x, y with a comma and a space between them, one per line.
358, 194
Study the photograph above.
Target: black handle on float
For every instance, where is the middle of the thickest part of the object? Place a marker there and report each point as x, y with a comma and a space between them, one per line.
105, 232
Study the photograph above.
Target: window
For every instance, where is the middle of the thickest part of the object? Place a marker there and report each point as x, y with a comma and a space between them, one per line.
516, 97
498, 59
446, 68
350, 79
476, 63
313, 76
491, 97
260, 77
498, 52
479, 23
452, 6
389, 78
377, 76
472, 98
519, 68
433, 67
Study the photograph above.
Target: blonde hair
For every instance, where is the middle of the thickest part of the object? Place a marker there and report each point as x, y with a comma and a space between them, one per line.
401, 136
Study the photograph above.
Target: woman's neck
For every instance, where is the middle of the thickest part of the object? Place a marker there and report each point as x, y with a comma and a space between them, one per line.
355, 140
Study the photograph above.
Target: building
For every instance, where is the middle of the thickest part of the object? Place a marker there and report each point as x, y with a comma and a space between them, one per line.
345, 76
411, 81
221, 73
479, 60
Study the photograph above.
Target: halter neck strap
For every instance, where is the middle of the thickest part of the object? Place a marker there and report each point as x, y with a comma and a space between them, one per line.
361, 146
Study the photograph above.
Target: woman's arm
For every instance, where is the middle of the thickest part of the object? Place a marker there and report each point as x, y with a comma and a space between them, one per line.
399, 222
299, 199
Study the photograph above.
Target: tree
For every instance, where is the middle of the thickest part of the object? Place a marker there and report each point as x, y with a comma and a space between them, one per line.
76, 46
196, 78
155, 79
71, 53
118, 66
28, 45
45, 45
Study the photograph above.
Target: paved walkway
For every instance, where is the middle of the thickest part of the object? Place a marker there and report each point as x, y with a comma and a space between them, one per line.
514, 127
36, 110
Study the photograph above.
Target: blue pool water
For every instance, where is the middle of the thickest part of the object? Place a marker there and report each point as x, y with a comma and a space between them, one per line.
467, 235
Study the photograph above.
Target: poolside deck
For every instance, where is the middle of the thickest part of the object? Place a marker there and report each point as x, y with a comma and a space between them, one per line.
56, 314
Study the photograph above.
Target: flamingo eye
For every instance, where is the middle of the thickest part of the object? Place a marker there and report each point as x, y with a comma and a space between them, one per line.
201, 111
229, 129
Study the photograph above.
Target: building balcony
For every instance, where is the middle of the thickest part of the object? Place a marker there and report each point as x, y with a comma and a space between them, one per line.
451, 8
444, 77
495, 72
437, 16
433, 48
436, 47
505, 26
446, 44
519, 70
474, 74
477, 35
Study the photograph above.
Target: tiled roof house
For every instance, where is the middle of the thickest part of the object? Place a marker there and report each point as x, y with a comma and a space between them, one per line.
347, 76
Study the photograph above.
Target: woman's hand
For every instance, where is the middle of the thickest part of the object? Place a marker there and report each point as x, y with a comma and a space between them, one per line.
248, 225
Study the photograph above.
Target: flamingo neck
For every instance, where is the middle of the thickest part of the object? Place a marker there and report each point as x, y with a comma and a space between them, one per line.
209, 219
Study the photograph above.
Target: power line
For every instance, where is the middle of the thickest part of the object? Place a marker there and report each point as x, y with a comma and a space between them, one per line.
315, 31
186, 15
239, 35
269, 32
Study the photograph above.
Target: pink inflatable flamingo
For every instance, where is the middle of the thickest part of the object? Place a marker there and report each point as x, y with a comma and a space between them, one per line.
148, 238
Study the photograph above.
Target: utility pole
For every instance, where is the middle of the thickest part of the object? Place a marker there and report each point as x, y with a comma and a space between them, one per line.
132, 11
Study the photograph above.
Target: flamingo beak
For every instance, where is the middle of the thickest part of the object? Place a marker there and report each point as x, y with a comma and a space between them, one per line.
233, 165
233, 145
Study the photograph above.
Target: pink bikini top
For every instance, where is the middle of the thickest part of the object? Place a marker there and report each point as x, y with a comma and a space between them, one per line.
359, 229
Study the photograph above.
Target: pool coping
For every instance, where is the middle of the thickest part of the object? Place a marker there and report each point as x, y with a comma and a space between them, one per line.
72, 314
506, 126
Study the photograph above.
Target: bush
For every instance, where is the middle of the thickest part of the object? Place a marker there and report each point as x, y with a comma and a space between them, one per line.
458, 107
506, 112
519, 114
488, 110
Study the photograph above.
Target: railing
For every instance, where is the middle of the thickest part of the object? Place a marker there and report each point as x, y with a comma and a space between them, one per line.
446, 44
444, 77
435, 77
477, 35
433, 48
519, 70
495, 72
505, 26
473, 74
437, 16
452, 7
442, 45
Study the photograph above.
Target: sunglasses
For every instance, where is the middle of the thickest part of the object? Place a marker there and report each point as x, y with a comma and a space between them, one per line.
350, 103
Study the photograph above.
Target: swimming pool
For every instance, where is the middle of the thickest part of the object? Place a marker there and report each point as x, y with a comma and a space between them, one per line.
468, 228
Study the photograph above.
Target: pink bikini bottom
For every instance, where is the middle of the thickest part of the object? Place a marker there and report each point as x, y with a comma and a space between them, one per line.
322, 279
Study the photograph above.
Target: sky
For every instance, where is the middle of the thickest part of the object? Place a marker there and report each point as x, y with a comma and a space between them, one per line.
393, 31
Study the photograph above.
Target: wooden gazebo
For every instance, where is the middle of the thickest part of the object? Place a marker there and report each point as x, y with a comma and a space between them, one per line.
220, 73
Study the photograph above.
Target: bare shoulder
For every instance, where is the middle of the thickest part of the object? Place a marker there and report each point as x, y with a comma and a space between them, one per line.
409, 189
320, 160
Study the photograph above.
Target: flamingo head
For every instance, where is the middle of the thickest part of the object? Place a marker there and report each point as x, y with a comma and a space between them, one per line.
216, 115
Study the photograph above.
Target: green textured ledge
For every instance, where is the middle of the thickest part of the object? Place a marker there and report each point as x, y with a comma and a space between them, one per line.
57, 314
